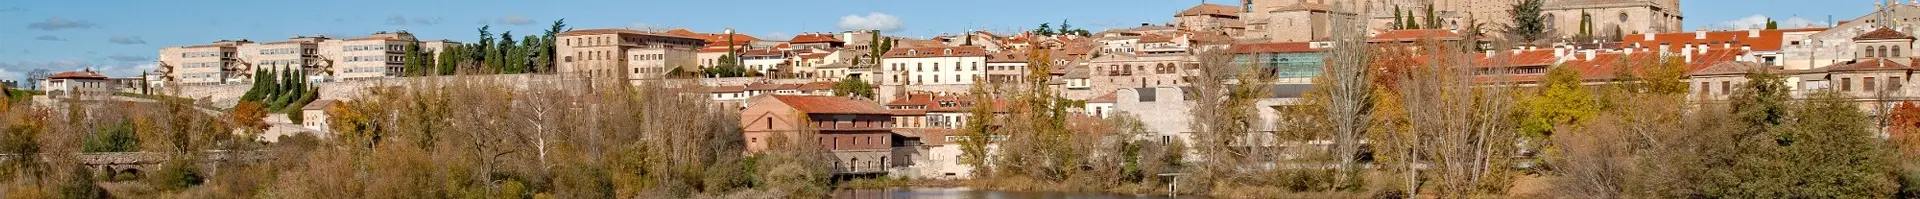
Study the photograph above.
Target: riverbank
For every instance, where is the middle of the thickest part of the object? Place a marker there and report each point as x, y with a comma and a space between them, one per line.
1027, 185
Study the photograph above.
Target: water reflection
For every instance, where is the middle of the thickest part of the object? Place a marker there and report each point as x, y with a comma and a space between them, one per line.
965, 193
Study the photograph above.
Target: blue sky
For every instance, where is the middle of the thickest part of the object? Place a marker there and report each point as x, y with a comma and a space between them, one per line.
122, 37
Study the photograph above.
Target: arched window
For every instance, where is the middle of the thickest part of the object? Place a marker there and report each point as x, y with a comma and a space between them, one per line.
1868, 53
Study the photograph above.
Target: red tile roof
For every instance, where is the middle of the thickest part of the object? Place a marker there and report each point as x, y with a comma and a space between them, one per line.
1110, 97
1729, 68
1412, 35
1870, 65
959, 51
84, 74
815, 86
814, 38
1209, 9
1282, 47
1883, 33
831, 105
621, 31
1765, 40
1155, 38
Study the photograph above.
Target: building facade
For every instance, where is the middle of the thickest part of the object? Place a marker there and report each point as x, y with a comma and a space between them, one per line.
961, 65
857, 134
613, 53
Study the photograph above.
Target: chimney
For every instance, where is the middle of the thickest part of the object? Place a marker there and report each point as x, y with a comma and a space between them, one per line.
1649, 36
1629, 51
1700, 34
1559, 51
1746, 47
1728, 45
1686, 49
1663, 47
1703, 49
1753, 33
1589, 54
1516, 51
1689, 57
1489, 53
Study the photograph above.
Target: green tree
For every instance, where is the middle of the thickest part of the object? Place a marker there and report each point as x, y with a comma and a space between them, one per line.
1772, 25
119, 137
1433, 18
1528, 24
853, 87
979, 131
1046, 29
1399, 18
80, 185
1562, 100
1586, 25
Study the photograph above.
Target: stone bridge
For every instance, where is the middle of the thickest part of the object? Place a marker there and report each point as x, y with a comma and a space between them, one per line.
141, 163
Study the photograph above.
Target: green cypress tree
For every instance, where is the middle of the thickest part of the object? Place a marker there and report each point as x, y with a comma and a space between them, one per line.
1398, 20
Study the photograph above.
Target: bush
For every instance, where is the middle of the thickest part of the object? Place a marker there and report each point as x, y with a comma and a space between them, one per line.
79, 185
118, 138
1910, 182
177, 175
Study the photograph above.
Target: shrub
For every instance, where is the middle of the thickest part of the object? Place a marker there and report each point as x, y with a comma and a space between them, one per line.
177, 175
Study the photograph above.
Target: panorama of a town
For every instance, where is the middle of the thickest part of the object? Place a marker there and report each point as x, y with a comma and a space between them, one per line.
986, 99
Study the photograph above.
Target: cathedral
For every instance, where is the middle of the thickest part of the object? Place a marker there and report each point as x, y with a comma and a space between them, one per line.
1307, 20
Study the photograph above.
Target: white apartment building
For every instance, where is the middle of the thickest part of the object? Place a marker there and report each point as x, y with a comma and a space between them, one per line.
611, 52
959, 65
324, 59
765, 61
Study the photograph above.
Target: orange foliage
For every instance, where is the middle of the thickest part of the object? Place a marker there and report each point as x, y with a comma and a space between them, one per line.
1905, 128
249, 115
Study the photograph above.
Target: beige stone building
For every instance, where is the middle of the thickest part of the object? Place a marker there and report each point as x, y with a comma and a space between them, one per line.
613, 52
1307, 20
201, 64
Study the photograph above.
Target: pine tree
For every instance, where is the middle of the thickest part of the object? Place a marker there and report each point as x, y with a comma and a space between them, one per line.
1433, 20
1528, 24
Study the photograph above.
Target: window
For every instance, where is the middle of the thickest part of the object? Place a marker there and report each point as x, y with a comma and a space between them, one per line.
1623, 17
1846, 84
1727, 87
1868, 83
1893, 83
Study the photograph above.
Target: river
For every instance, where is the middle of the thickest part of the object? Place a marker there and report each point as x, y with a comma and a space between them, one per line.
965, 193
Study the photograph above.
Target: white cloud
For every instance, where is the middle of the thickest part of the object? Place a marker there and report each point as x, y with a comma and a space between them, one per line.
125, 40
1760, 21
515, 19
397, 20
57, 23
872, 21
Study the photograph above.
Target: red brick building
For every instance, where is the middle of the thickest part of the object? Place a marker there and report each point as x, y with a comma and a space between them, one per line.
857, 133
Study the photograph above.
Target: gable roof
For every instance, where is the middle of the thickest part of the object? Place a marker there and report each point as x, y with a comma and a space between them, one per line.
1209, 9
830, 105
958, 51
83, 74
1110, 97
814, 38
1883, 33
1870, 65
317, 105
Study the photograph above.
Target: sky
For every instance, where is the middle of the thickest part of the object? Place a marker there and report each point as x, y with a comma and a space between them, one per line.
121, 38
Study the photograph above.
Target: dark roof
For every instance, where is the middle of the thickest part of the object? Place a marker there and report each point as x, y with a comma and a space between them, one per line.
1870, 64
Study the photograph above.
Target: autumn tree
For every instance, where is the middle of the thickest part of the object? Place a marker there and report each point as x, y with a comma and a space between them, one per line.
979, 131
1561, 99
1349, 90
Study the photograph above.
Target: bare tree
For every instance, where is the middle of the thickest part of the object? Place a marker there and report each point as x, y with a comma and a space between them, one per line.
1464, 125
1348, 87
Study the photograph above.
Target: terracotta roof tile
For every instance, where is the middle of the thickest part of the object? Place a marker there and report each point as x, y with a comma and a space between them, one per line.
1412, 35
814, 38
84, 74
831, 105
1110, 97
1883, 33
960, 51
815, 86
1870, 65
1209, 9
1765, 40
